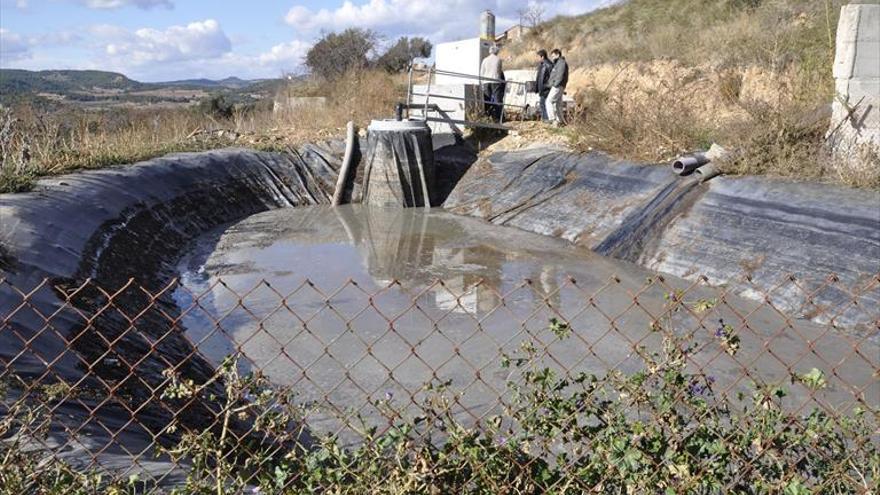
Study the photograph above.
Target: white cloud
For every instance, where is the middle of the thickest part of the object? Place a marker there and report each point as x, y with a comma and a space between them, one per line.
286, 55
20, 51
13, 47
14, 4
203, 49
195, 41
198, 49
100, 4
115, 4
440, 20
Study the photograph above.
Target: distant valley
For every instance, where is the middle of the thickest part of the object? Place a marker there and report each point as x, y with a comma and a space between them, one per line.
101, 89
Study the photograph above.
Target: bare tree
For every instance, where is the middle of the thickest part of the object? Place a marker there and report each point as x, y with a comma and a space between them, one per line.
532, 15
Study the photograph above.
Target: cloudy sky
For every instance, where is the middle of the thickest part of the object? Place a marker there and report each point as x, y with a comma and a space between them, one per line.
156, 40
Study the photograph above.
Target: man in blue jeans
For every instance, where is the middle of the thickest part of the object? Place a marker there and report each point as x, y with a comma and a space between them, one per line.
541, 80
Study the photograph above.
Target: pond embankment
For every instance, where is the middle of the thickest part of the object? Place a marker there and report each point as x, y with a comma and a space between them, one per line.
89, 260
88, 263
753, 233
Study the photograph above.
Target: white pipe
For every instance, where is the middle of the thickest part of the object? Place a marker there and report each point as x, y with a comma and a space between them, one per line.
706, 172
345, 168
426, 194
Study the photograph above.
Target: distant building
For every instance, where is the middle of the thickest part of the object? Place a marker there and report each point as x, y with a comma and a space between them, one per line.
298, 103
512, 34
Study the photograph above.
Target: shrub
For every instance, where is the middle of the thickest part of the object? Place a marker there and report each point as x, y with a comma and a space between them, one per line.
336, 54
662, 429
730, 86
399, 56
217, 107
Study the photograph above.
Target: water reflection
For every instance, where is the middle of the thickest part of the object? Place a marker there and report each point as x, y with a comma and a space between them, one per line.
415, 249
350, 304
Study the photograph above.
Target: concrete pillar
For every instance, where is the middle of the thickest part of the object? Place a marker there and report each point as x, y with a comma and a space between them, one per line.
399, 169
857, 78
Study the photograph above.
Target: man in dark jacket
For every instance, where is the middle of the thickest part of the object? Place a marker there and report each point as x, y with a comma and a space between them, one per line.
558, 81
541, 80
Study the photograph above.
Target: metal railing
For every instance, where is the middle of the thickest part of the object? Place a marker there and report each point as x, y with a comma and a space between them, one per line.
545, 385
481, 101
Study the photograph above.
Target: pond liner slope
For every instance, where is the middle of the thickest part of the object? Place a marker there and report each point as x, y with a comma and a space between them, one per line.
753, 233
101, 249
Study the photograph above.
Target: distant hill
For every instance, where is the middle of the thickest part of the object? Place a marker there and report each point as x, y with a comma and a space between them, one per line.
229, 82
100, 88
15, 81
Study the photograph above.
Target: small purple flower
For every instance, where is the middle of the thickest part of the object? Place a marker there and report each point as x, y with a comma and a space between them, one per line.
389, 395
696, 388
502, 440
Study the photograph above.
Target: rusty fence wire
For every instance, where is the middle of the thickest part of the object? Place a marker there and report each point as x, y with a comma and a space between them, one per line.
548, 385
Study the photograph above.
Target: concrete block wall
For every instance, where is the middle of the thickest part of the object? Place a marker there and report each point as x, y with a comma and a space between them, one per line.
857, 78
463, 57
297, 103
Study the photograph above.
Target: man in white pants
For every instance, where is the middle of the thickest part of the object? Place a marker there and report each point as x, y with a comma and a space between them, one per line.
558, 81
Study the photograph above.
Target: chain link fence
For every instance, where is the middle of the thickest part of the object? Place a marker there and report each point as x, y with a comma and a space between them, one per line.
456, 386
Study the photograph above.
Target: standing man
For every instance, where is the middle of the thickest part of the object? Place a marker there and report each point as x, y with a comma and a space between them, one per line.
558, 81
493, 95
541, 81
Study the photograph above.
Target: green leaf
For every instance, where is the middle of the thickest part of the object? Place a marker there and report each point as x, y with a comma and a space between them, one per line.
796, 487
814, 379
704, 305
559, 328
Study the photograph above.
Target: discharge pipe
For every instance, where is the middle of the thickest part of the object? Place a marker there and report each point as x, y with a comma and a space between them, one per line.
345, 169
686, 164
707, 171
694, 162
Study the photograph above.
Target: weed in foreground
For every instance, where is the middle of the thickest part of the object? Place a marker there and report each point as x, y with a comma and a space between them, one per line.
662, 429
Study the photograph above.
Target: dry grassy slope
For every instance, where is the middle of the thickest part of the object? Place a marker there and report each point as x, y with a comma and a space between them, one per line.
653, 42
657, 77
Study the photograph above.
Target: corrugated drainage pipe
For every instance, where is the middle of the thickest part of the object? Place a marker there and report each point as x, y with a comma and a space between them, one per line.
345, 169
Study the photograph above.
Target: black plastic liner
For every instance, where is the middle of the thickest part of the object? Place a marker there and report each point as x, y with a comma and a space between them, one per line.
115, 235
751, 232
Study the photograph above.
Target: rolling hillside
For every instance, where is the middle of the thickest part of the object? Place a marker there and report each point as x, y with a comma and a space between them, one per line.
15, 81
97, 88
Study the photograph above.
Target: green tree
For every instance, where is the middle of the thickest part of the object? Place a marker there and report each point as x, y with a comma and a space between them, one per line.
337, 53
398, 57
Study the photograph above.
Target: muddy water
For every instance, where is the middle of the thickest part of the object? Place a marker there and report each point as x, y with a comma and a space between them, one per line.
352, 305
